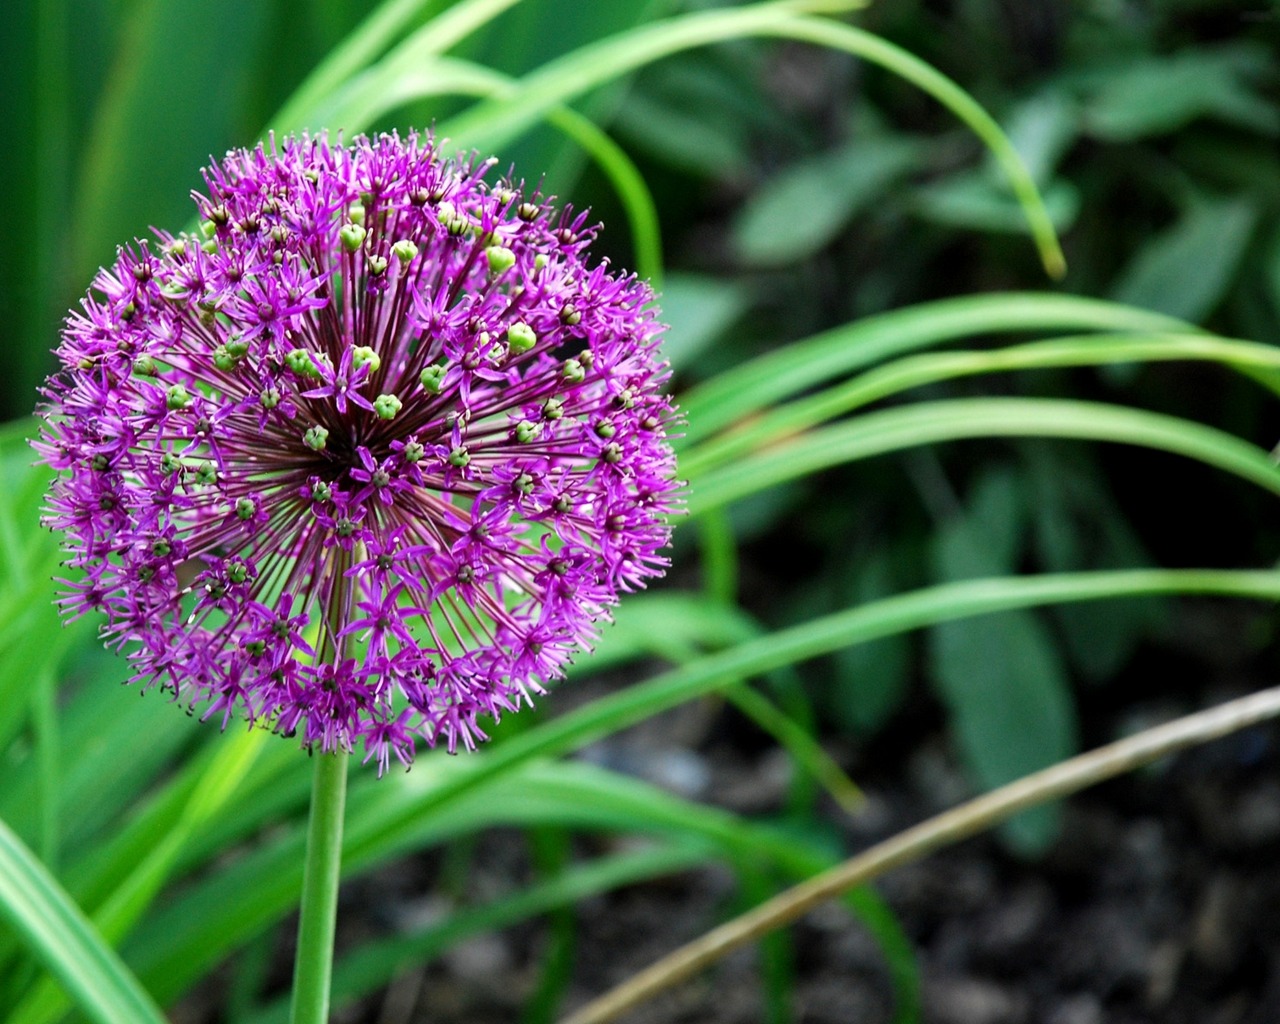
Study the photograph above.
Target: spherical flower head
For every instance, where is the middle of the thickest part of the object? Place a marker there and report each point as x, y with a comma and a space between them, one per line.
368, 456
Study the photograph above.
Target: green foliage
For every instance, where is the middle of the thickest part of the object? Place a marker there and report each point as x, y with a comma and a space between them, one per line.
815, 313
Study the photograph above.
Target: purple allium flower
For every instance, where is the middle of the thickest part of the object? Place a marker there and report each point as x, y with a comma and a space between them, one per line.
365, 458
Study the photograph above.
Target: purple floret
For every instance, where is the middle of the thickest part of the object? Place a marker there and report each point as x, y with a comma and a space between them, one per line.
365, 458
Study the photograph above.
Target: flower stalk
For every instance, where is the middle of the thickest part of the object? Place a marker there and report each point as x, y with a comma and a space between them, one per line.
313, 963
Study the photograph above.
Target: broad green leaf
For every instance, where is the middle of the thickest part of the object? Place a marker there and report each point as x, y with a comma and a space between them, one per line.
1156, 95
999, 675
698, 310
1042, 129
870, 679
1185, 270
1076, 525
972, 200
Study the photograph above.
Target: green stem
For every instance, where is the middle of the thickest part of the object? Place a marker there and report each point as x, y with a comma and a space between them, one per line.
314, 964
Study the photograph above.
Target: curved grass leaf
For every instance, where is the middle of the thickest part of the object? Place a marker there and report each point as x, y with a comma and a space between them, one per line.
498, 121
892, 430
55, 930
216, 784
182, 942
305, 108
358, 106
916, 371
767, 379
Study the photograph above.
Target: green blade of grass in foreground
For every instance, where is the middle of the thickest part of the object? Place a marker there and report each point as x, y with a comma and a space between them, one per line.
178, 946
55, 930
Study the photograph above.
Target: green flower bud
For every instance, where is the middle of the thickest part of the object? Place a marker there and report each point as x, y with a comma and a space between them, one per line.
413, 452
238, 347
572, 372
612, 453
237, 572
377, 265
160, 548
569, 315
386, 406
210, 246
145, 366
552, 409
351, 236
605, 429
526, 431
520, 338
540, 261
206, 472
269, 398
459, 457
433, 379
245, 508
177, 397
501, 259
321, 491
316, 438
355, 214
363, 355
404, 250
170, 463
300, 362
208, 228
223, 359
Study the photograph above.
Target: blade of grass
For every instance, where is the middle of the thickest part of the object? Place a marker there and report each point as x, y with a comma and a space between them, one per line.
754, 385
55, 930
181, 942
378, 32
917, 371
890, 430
216, 785
499, 121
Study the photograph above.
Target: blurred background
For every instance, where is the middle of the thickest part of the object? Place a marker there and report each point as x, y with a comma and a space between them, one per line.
796, 190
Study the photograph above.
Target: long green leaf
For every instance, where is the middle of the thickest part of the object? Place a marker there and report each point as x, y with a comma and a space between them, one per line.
378, 32
916, 371
757, 384
931, 422
216, 785
181, 944
57, 933
499, 121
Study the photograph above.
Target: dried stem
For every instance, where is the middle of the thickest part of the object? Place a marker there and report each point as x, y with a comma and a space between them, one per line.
968, 819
